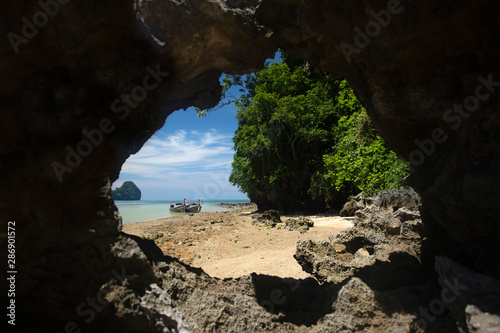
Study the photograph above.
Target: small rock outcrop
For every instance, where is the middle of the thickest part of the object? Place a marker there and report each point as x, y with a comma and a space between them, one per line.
382, 248
390, 200
301, 224
128, 191
350, 207
270, 218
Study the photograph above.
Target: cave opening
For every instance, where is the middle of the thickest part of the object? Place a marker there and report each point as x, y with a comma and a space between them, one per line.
244, 255
190, 157
174, 159
62, 77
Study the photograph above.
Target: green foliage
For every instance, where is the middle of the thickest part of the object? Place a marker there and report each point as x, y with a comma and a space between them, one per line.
304, 141
285, 124
360, 160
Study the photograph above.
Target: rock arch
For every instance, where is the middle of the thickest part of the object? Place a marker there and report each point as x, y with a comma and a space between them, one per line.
79, 95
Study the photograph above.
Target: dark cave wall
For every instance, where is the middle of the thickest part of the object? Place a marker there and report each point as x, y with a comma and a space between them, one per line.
426, 81
64, 140
66, 78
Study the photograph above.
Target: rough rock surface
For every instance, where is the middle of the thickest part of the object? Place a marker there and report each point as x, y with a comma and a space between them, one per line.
350, 208
473, 299
176, 297
382, 249
301, 224
270, 218
358, 308
173, 297
478, 321
86, 87
391, 200
147, 292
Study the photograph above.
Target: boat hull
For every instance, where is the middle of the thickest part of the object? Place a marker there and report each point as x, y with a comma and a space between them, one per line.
193, 209
189, 209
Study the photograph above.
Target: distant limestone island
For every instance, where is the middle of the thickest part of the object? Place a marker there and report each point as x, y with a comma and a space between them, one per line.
128, 191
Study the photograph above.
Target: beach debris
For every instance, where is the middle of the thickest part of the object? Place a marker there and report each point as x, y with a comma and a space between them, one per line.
219, 220
155, 236
270, 224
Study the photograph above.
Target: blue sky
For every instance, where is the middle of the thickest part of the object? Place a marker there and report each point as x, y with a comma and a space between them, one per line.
189, 157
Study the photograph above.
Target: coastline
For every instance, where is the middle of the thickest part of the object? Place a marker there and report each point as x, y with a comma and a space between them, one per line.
150, 210
227, 245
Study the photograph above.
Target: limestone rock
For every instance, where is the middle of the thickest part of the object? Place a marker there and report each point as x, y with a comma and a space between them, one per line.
351, 206
301, 224
67, 128
472, 298
380, 249
270, 218
390, 200
481, 322
156, 301
358, 308
128, 191
395, 199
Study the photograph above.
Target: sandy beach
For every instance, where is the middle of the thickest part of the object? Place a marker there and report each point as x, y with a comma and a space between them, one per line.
227, 244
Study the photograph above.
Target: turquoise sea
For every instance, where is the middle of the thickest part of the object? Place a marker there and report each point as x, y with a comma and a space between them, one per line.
147, 210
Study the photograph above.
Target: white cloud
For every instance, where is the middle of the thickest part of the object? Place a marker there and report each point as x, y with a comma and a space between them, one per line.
182, 155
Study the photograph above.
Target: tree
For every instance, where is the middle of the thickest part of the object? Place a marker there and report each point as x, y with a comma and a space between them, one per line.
304, 141
359, 161
284, 129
